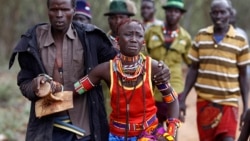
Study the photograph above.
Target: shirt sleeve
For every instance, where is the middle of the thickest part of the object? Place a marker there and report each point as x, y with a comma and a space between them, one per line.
187, 49
244, 55
194, 50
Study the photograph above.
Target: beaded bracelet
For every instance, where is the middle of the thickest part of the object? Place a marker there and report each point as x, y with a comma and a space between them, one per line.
168, 137
83, 85
164, 87
168, 98
50, 79
172, 125
176, 121
171, 97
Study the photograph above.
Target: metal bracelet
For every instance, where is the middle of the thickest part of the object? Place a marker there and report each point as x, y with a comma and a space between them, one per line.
46, 76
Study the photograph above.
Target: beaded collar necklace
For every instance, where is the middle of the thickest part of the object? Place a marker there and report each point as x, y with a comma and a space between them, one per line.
129, 72
129, 59
171, 33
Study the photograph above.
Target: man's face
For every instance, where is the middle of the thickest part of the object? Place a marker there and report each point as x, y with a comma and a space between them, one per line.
60, 14
147, 10
173, 16
82, 19
220, 15
114, 20
131, 38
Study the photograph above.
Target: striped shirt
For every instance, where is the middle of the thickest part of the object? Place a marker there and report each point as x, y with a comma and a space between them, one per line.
218, 72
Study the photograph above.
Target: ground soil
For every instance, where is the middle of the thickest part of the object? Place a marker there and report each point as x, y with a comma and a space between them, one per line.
188, 130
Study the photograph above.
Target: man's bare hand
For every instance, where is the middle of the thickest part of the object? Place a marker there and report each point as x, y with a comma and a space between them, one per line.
163, 76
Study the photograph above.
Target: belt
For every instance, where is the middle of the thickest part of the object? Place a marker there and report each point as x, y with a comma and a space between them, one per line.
134, 127
65, 123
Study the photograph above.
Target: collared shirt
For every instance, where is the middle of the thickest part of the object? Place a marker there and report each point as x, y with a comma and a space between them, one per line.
174, 57
72, 65
242, 32
218, 72
157, 22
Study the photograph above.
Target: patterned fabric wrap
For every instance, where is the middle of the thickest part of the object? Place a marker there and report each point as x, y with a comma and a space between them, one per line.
228, 121
211, 115
152, 133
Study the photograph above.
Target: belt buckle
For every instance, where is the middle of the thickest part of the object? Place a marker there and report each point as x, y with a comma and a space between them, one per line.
139, 127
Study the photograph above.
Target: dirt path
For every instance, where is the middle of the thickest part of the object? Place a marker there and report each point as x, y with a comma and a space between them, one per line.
188, 130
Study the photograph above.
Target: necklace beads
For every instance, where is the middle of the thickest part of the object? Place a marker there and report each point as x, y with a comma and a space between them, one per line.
129, 72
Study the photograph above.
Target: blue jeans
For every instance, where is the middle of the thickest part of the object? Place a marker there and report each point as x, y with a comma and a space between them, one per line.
117, 138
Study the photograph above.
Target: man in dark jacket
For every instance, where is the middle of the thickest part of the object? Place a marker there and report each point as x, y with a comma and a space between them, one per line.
66, 52
63, 52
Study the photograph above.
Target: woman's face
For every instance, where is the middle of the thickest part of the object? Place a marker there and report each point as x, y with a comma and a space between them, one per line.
131, 38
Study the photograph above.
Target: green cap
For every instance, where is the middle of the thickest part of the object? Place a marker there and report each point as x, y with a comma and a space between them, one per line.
175, 4
121, 7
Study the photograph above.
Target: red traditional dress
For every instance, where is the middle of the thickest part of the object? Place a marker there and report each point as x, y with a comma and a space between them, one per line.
134, 104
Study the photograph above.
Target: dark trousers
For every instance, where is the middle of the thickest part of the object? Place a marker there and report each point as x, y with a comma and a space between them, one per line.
63, 135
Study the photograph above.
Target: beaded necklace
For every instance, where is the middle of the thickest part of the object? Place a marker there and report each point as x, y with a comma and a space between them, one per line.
171, 33
169, 36
129, 72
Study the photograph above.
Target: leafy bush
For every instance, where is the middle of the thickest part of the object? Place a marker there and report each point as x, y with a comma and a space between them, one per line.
14, 108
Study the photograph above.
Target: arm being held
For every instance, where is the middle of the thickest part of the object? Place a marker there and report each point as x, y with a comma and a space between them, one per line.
89, 81
83, 85
170, 97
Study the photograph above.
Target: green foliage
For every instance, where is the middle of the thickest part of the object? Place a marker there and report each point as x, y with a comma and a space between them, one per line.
14, 108
16, 16
97, 13
13, 121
